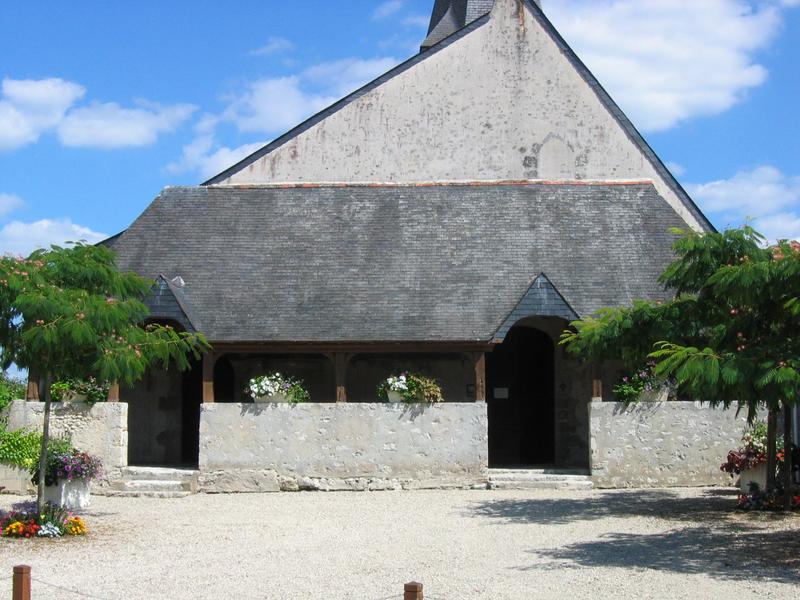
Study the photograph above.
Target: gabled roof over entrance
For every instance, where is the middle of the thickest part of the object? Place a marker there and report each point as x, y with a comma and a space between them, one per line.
541, 299
166, 302
430, 262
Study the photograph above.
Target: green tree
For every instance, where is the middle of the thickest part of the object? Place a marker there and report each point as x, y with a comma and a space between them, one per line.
730, 335
69, 312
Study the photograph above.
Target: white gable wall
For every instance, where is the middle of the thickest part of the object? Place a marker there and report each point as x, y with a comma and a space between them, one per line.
501, 103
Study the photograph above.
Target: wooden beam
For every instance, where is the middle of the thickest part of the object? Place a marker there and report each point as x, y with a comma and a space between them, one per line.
479, 359
352, 347
113, 393
340, 360
209, 360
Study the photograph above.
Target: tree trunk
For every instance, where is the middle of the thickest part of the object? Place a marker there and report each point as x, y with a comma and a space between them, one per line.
45, 393
772, 433
787, 457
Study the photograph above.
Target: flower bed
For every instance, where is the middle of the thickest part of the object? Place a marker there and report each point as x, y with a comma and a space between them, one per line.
759, 500
411, 388
24, 521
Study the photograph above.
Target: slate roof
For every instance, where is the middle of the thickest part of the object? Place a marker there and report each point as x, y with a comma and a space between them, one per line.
473, 9
446, 262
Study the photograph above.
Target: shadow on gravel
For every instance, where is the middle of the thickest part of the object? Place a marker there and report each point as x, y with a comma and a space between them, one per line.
718, 553
602, 505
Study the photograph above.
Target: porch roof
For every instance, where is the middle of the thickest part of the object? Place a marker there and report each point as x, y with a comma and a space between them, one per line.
432, 262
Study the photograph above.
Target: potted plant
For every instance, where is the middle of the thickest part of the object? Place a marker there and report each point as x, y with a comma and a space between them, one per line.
80, 390
68, 475
277, 388
410, 388
750, 460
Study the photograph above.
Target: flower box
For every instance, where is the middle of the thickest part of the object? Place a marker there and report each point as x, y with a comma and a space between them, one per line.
757, 475
72, 495
394, 396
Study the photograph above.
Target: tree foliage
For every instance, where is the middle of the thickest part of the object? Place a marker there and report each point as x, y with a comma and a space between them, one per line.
69, 313
730, 335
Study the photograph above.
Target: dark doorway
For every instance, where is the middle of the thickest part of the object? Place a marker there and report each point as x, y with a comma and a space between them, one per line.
164, 417
192, 399
521, 399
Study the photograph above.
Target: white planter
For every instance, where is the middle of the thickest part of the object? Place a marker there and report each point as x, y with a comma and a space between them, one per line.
756, 475
72, 495
277, 398
659, 395
394, 396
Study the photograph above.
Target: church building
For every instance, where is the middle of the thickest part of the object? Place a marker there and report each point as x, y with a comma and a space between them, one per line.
450, 218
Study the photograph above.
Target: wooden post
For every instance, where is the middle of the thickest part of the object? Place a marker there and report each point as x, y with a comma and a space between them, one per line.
113, 393
340, 360
209, 359
412, 591
597, 390
22, 583
479, 358
32, 393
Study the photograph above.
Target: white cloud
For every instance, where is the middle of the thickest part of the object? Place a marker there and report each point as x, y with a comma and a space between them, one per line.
675, 168
30, 107
417, 21
21, 238
764, 194
270, 105
666, 61
387, 9
274, 45
206, 157
347, 75
110, 125
275, 105
10, 203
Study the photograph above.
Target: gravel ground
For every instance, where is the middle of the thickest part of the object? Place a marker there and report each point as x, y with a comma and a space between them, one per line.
460, 544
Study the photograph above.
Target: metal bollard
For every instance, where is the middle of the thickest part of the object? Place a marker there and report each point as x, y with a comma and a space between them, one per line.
413, 591
22, 583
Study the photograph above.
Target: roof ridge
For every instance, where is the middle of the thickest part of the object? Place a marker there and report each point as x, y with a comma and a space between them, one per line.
418, 184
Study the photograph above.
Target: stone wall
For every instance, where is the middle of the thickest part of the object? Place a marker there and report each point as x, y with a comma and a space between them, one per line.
661, 444
271, 447
100, 429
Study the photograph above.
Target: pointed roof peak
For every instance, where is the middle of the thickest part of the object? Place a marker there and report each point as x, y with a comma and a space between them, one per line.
450, 16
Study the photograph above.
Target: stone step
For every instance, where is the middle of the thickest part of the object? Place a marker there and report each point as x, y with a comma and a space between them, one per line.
539, 479
541, 471
145, 494
541, 485
153, 485
151, 473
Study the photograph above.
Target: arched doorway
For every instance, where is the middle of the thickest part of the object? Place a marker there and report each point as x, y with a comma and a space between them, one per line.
521, 399
164, 415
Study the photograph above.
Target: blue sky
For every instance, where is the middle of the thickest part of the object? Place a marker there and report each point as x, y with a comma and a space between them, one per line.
104, 103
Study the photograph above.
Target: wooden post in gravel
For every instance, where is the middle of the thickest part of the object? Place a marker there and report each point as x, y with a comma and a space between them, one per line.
22, 583
413, 591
